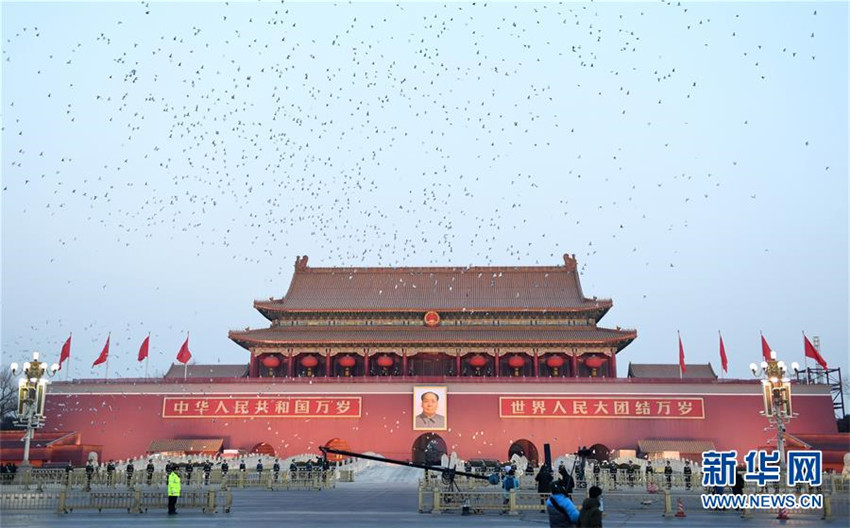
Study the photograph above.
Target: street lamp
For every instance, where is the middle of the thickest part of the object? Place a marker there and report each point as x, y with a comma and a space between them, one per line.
776, 393
32, 388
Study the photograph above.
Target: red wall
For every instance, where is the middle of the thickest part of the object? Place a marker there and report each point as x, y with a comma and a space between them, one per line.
125, 424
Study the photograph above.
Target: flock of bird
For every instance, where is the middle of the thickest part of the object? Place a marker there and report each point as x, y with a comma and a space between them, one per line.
388, 134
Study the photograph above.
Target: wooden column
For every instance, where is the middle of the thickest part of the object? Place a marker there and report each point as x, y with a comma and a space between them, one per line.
253, 368
366, 362
536, 363
327, 363
457, 363
612, 365
496, 362
574, 365
291, 366
404, 362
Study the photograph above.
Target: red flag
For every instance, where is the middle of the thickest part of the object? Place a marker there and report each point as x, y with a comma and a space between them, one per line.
103, 354
812, 352
184, 355
66, 352
143, 350
681, 356
723, 361
765, 349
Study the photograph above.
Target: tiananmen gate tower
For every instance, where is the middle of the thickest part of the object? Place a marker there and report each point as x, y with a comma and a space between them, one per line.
515, 357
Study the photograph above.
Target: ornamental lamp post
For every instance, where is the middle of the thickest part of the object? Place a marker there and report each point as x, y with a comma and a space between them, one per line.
32, 389
776, 393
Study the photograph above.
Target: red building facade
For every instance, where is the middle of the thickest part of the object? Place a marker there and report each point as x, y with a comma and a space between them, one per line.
515, 356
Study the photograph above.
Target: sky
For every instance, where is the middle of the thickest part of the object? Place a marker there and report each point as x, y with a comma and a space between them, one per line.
163, 164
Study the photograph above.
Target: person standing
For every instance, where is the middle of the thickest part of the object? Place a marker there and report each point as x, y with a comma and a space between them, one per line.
591, 509
110, 473
173, 491
630, 474
89, 475
668, 475
130, 470
612, 469
687, 472
276, 469
207, 471
189, 470
509, 482
596, 471
149, 471
544, 482
68, 470
560, 509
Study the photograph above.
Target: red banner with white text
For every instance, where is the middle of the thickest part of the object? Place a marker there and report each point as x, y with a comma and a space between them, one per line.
598, 407
261, 407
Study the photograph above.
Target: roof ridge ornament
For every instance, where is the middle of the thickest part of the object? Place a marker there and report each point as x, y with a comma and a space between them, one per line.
301, 262
570, 261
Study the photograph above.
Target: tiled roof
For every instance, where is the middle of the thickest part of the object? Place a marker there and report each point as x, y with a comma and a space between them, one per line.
207, 371
682, 446
671, 371
186, 445
423, 334
434, 288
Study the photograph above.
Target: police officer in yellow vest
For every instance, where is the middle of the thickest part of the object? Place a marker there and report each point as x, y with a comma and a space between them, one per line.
173, 491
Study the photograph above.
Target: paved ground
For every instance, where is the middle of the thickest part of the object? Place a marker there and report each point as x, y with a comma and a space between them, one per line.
370, 504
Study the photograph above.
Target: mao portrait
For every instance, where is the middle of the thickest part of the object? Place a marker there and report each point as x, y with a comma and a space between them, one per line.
429, 408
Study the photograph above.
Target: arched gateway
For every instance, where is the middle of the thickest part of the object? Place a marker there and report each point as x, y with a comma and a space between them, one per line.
429, 449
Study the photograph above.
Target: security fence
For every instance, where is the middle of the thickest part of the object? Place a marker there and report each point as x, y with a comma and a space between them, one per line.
57, 479
134, 501
438, 499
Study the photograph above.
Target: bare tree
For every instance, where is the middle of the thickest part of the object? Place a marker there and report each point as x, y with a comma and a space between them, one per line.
8, 394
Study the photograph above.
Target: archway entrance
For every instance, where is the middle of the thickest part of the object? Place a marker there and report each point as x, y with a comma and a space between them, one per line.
337, 443
524, 448
263, 449
599, 452
428, 448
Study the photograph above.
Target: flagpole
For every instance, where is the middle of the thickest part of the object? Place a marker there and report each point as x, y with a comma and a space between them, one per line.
721, 359
805, 357
680, 348
186, 364
106, 374
147, 357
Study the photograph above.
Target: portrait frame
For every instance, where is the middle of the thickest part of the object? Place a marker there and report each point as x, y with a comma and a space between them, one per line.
442, 408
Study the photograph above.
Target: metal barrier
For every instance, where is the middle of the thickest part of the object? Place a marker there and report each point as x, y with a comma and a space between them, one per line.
28, 500
138, 501
435, 500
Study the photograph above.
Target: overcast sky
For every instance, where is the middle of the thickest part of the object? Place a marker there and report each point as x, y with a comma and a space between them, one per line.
164, 164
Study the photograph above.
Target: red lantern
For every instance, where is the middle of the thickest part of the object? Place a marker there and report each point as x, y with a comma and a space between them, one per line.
309, 362
477, 361
271, 361
346, 362
555, 362
593, 362
516, 362
384, 361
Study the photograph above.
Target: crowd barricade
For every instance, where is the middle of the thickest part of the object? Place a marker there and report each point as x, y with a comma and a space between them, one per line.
437, 499
140, 501
28, 500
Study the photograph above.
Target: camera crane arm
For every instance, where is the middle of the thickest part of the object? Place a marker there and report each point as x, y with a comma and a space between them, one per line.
446, 471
